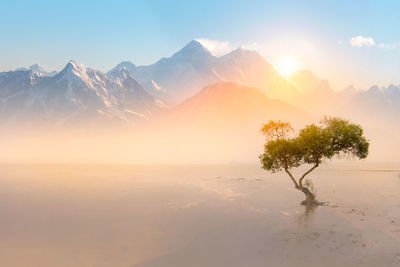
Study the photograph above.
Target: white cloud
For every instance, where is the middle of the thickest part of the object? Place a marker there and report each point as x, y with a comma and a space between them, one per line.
382, 45
216, 47
389, 46
360, 41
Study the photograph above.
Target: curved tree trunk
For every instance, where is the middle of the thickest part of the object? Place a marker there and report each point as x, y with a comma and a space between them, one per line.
310, 197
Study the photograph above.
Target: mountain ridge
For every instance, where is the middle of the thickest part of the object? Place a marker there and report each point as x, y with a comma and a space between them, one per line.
76, 93
187, 71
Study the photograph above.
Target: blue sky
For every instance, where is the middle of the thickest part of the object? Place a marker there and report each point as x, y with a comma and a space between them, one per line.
315, 34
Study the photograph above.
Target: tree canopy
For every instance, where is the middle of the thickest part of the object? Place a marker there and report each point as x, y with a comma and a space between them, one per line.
333, 137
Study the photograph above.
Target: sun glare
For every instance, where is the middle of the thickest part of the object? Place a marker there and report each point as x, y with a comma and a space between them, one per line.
287, 67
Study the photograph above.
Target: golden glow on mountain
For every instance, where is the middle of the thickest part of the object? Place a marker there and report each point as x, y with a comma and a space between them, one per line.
286, 67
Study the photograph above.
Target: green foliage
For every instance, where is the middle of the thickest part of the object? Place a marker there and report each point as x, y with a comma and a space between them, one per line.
345, 137
313, 144
281, 153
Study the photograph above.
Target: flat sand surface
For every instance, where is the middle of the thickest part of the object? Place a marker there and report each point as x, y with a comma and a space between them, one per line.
203, 215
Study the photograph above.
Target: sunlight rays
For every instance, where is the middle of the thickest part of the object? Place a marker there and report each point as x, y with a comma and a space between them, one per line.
286, 67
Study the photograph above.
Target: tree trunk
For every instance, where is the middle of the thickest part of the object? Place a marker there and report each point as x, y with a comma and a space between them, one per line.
310, 197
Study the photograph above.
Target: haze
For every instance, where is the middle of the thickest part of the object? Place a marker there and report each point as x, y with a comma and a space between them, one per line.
130, 133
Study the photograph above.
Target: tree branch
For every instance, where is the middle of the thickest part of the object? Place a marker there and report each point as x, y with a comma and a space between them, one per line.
306, 173
296, 185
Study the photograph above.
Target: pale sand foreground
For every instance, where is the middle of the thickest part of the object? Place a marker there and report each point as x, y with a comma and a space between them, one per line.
187, 216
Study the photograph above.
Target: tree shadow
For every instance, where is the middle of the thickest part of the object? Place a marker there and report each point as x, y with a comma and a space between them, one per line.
310, 209
307, 215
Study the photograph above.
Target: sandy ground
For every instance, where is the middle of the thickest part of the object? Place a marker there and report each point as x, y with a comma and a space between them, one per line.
230, 215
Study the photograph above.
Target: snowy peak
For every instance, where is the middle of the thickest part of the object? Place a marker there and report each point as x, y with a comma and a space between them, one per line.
242, 52
247, 61
119, 73
194, 49
378, 100
193, 67
123, 66
37, 68
383, 91
72, 70
74, 66
35, 72
75, 95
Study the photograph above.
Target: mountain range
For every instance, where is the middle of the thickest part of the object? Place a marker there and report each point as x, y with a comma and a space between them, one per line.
186, 72
182, 85
75, 94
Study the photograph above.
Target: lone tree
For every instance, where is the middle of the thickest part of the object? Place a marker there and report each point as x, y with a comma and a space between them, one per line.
285, 151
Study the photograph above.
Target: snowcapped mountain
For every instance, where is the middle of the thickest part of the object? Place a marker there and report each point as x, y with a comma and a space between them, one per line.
75, 94
128, 93
124, 65
185, 73
12, 82
178, 77
39, 71
15, 89
379, 101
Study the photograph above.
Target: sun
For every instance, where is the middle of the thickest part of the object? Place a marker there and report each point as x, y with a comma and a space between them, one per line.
287, 67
